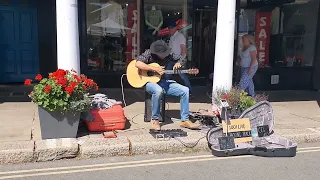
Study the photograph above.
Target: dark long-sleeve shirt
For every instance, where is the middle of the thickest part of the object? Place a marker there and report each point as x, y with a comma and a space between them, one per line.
148, 58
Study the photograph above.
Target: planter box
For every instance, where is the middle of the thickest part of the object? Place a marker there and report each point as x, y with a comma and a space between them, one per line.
55, 125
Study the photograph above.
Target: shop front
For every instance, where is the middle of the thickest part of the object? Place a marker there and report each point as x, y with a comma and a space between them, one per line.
114, 32
286, 34
27, 39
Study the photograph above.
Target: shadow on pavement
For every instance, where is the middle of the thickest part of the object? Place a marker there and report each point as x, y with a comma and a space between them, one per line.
287, 96
202, 94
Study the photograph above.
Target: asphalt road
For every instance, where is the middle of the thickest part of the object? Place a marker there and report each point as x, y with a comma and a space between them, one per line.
305, 166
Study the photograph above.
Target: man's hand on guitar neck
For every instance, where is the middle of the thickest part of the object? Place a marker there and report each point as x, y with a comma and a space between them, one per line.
177, 66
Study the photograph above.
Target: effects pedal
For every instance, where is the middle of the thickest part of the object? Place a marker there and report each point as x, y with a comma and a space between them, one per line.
168, 133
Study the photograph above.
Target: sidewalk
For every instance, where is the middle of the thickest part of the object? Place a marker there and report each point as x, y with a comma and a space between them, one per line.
20, 133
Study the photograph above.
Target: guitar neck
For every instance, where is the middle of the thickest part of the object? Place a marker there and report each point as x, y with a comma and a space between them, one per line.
176, 71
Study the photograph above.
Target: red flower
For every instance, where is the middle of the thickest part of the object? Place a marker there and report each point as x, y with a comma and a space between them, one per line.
47, 89
58, 74
97, 88
69, 89
77, 78
27, 82
85, 88
225, 96
62, 81
73, 84
90, 83
38, 77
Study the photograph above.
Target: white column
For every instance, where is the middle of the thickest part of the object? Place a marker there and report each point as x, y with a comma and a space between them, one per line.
223, 64
68, 52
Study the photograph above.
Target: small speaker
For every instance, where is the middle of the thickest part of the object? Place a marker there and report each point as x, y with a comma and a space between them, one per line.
148, 108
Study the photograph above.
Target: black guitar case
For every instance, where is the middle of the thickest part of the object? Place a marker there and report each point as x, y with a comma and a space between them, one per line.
264, 143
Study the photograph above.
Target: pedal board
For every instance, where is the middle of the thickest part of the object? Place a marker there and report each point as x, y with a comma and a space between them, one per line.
168, 133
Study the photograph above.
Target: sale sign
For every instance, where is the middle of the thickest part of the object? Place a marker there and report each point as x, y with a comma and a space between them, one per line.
262, 37
132, 39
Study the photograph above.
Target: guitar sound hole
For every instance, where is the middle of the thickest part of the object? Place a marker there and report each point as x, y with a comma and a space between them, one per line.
150, 73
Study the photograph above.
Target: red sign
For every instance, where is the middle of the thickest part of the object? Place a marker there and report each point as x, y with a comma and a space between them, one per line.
180, 24
132, 40
263, 28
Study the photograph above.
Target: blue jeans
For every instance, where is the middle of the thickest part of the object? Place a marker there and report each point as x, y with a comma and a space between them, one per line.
184, 77
246, 82
171, 88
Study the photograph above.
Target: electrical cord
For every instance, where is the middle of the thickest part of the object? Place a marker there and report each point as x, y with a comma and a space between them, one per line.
122, 90
188, 145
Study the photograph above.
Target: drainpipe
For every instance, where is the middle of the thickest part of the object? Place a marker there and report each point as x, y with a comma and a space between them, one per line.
68, 52
223, 65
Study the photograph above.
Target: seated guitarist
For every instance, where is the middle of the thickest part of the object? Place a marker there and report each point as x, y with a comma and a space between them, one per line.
160, 53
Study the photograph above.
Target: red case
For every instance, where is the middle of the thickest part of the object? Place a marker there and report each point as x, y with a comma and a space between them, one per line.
107, 119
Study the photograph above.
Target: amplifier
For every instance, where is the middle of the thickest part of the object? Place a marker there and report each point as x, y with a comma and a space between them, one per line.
148, 108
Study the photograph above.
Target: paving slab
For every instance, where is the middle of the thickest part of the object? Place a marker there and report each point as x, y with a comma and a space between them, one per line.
16, 121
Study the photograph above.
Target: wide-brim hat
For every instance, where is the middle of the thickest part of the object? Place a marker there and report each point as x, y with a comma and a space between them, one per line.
160, 48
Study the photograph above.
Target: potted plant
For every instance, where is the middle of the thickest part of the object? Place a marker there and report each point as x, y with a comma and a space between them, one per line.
61, 98
238, 100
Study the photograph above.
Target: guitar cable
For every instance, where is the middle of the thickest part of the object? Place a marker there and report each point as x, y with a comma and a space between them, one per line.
122, 90
188, 145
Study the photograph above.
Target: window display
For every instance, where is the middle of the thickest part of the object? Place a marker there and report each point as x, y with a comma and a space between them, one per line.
154, 19
157, 15
285, 34
112, 34
299, 33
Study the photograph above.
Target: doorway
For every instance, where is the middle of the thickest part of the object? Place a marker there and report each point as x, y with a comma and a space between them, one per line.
19, 52
204, 36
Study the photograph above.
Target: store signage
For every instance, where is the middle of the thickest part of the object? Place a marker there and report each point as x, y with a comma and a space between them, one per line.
132, 40
262, 37
240, 129
260, 3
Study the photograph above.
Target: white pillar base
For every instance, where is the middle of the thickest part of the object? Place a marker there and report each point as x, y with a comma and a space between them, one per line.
223, 65
68, 52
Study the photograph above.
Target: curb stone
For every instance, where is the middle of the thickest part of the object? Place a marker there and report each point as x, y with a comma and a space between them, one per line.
55, 149
16, 152
84, 148
147, 144
99, 147
304, 138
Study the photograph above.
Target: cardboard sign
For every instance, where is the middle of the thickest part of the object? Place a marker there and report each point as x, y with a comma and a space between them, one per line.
240, 129
262, 37
226, 143
263, 131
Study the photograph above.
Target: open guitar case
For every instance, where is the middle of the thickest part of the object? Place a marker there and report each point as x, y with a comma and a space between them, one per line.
265, 144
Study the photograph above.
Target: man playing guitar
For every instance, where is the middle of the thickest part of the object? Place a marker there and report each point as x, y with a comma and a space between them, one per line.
160, 53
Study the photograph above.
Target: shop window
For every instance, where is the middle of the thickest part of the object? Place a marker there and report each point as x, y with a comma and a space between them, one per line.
285, 34
5, 2
299, 33
157, 15
112, 30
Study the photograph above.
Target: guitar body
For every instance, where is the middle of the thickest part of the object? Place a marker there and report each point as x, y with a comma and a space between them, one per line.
138, 78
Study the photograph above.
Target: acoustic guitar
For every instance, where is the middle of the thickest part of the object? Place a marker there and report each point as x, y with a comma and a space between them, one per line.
138, 78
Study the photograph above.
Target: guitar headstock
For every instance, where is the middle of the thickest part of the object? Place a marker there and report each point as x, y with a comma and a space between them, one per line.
193, 71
